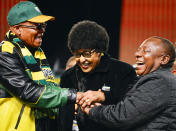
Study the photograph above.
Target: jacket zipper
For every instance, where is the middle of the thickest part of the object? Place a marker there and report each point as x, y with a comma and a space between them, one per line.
19, 117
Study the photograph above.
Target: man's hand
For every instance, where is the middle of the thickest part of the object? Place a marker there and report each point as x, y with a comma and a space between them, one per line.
91, 97
88, 108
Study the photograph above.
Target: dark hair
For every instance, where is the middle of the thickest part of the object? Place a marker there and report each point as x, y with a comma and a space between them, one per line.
88, 35
169, 50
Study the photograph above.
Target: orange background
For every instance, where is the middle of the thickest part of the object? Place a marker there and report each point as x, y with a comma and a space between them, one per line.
5, 6
142, 19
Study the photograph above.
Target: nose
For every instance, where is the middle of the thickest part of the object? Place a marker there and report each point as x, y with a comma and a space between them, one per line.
41, 30
138, 54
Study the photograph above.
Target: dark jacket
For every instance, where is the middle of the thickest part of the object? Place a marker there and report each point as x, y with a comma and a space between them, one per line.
111, 76
17, 88
149, 106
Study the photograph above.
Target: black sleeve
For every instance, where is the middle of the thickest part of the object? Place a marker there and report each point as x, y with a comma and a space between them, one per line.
66, 112
15, 79
65, 81
146, 100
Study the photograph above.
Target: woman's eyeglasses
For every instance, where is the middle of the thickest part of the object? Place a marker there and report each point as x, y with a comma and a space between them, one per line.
86, 54
38, 26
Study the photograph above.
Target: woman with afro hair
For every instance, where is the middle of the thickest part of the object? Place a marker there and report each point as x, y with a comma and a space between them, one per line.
95, 70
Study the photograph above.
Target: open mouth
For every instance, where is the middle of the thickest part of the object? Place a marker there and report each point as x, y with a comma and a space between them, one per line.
139, 63
40, 37
85, 65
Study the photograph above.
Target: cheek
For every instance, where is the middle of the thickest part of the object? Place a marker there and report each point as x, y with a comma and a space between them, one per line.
149, 65
95, 62
29, 37
77, 60
144, 69
25, 38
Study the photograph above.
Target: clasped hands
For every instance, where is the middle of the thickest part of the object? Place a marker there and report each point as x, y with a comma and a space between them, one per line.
87, 100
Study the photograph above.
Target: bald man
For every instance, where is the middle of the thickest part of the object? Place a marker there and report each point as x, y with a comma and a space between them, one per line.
151, 104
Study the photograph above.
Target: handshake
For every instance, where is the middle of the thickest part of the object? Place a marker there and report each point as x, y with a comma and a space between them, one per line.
87, 100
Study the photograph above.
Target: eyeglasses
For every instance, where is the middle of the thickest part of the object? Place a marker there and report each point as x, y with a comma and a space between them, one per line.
36, 26
86, 54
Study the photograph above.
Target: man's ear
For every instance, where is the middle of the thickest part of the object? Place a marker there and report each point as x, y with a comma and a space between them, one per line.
165, 59
16, 30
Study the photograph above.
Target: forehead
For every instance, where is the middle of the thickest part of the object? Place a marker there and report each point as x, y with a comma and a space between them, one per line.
153, 44
27, 22
31, 23
83, 50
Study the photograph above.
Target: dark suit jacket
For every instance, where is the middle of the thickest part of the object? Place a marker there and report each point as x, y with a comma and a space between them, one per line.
149, 106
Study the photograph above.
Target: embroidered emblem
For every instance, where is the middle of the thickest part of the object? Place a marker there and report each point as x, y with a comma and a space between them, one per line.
37, 9
48, 73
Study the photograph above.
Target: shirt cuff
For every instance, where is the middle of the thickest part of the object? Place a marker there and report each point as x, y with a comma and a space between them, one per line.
72, 93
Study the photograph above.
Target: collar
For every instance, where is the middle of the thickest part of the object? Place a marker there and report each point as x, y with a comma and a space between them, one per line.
104, 64
161, 69
168, 69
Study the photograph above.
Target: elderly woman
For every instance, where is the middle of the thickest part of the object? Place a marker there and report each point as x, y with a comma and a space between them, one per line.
95, 70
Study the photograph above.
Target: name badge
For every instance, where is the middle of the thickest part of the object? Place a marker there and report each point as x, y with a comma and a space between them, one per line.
106, 88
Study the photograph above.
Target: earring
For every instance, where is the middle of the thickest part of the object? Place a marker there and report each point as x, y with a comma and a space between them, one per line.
102, 54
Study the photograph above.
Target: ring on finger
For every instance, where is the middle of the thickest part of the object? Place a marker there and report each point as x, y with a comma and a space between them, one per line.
87, 100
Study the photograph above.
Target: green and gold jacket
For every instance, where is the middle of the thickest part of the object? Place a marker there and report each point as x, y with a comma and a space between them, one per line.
28, 89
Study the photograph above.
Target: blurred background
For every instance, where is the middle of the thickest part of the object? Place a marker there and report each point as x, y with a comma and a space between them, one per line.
128, 23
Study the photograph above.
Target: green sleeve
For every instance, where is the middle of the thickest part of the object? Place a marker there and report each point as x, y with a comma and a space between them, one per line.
52, 96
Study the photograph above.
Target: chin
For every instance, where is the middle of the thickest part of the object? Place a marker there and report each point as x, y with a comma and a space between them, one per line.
139, 72
86, 70
36, 46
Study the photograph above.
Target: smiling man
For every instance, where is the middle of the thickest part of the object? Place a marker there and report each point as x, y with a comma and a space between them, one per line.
151, 104
95, 70
153, 56
29, 95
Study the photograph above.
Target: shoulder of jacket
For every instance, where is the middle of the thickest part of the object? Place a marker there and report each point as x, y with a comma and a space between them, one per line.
68, 72
120, 66
7, 46
152, 77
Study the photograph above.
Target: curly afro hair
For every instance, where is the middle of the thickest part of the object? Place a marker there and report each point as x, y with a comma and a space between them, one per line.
88, 35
